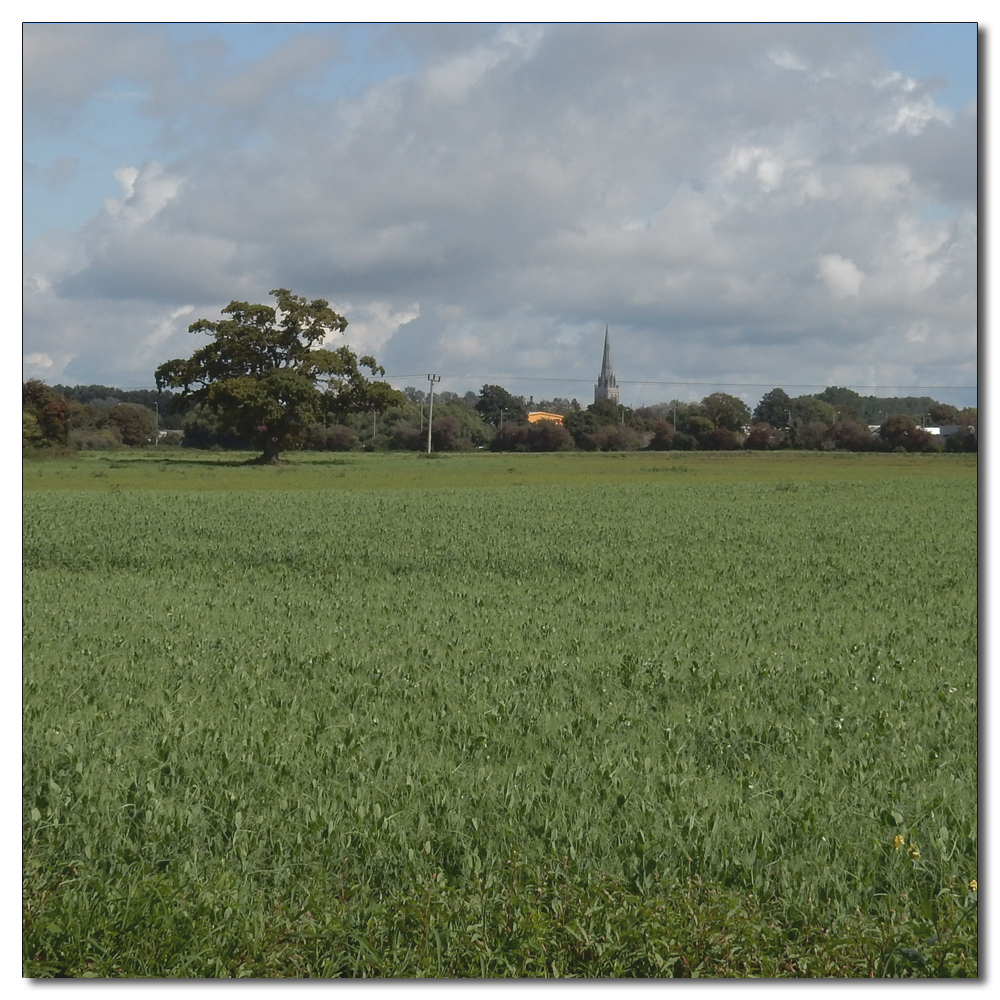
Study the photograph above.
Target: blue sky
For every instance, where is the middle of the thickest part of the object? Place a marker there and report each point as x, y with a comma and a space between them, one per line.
112, 129
929, 50
776, 204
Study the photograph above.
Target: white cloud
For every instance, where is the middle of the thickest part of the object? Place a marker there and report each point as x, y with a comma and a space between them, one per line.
451, 79
739, 201
841, 276
372, 324
784, 59
145, 193
37, 363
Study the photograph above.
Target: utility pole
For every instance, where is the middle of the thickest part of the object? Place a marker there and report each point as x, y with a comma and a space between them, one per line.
373, 428
156, 433
430, 411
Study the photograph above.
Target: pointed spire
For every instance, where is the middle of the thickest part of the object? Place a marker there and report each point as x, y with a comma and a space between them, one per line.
607, 372
607, 386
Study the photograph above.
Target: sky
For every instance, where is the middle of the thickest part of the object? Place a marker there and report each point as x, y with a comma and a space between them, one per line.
743, 206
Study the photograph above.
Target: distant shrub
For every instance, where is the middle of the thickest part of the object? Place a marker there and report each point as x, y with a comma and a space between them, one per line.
316, 437
135, 424
545, 435
50, 413
850, 435
93, 439
901, 432
617, 437
968, 442
719, 439
763, 437
664, 435
407, 437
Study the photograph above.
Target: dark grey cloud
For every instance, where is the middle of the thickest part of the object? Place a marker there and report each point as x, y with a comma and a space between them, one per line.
64, 65
763, 202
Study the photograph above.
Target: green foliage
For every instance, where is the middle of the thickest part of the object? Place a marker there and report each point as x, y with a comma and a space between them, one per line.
850, 435
902, 432
726, 411
810, 410
873, 409
496, 403
266, 377
150, 398
942, 413
203, 429
838, 396
543, 435
31, 433
617, 437
256, 746
48, 425
967, 442
663, 436
96, 439
135, 424
316, 437
774, 408
558, 405
764, 437
605, 426
719, 439
698, 425
457, 426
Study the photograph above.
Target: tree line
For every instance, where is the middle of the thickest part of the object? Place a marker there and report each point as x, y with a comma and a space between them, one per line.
103, 417
267, 381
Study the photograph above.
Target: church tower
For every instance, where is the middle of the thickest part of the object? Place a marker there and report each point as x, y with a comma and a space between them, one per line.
607, 387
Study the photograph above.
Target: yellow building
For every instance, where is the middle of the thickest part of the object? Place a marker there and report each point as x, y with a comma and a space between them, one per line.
533, 418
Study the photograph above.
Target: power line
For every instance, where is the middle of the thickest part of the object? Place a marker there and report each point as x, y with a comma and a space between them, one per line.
626, 381
633, 381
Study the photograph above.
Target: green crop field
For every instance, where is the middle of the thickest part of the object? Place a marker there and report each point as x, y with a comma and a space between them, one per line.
500, 715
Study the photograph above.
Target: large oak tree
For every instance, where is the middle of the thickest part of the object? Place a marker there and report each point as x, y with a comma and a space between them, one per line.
266, 376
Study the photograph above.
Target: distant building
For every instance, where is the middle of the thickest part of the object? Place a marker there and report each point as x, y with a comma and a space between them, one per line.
536, 415
607, 387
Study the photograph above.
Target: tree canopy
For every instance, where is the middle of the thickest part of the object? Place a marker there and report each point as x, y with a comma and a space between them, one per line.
266, 376
726, 411
901, 431
495, 404
44, 415
774, 409
135, 424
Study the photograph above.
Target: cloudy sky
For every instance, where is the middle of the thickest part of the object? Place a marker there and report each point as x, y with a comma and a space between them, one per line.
745, 206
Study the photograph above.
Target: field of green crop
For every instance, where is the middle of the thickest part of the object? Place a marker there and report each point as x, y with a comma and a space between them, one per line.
501, 715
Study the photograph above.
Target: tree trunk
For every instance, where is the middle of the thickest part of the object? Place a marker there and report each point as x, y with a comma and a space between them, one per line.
271, 449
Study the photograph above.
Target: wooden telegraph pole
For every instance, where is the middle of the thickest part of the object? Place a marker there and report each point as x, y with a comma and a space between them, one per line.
430, 413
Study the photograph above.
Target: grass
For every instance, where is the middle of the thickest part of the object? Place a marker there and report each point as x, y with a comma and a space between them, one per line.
178, 468
618, 720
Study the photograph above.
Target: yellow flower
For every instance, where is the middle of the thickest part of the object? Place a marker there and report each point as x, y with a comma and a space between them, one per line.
897, 841
974, 885
914, 851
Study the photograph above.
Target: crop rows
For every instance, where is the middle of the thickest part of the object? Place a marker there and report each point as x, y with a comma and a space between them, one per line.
344, 723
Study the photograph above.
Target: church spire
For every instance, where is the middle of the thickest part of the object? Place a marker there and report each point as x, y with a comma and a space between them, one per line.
606, 370
607, 386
